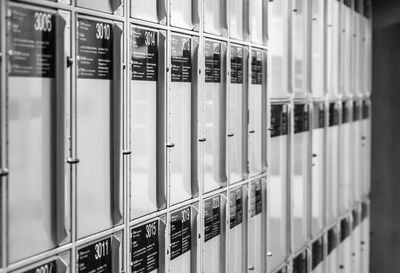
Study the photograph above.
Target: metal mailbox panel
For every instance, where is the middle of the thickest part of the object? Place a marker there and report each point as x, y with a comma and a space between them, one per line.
345, 47
366, 148
357, 150
181, 119
98, 94
38, 195
237, 10
318, 255
147, 249
356, 241
59, 264
300, 186
256, 236
214, 116
346, 159
300, 40
185, 13
213, 254
104, 255
215, 17
332, 47
256, 102
279, 48
278, 188
183, 234
365, 236
332, 160
147, 88
258, 12
152, 10
318, 169
108, 6
237, 113
344, 261
237, 231
318, 48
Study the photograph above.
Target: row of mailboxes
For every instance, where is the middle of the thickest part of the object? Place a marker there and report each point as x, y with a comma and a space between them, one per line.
319, 48
91, 129
238, 19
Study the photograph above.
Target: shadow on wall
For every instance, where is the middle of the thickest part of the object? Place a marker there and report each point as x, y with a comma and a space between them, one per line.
385, 192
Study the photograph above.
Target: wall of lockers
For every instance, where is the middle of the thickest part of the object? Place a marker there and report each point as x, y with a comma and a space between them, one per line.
185, 136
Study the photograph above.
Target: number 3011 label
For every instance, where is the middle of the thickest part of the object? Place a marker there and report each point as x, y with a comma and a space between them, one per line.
96, 258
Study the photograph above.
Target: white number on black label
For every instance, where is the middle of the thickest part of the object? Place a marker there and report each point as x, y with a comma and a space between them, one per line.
151, 230
101, 250
47, 268
43, 22
103, 31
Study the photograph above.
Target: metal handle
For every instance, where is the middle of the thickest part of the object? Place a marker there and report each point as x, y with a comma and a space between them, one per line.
252, 267
58, 120
269, 254
252, 131
231, 135
202, 139
115, 127
170, 145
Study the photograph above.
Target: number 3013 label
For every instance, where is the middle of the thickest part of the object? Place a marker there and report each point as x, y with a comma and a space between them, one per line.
96, 258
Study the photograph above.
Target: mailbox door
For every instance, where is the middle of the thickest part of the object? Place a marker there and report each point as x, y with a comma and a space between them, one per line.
332, 251
237, 114
366, 148
318, 48
185, 14
300, 188
345, 47
215, 17
318, 168
344, 249
108, 6
258, 20
256, 99
98, 88
236, 18
214, 163
147, 97
278, 196
37, 98
332, 47
365, 236
180, 118
256, 237
153, 10
279, 48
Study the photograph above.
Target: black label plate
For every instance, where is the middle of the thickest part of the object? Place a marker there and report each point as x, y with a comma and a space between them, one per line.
256, 67
279, 120
32, 42
356, 111
256, 198
96, 258
300, 263
145, 247
50, 267
365, 109
181, 59
236, 207
364, 211
144, 59
317, 252
95, 49
180, 232
319, 115
345, 112
333, 114
213, 61
236, 64
212, 218
356, 218
332, 240
301, 118
344, 229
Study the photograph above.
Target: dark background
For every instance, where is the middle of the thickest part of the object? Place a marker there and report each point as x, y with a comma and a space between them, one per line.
385, 193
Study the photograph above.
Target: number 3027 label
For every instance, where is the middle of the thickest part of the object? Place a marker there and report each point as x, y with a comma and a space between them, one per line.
96, 258
50, 267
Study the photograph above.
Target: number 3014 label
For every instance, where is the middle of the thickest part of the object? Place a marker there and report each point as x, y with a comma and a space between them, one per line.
96, 258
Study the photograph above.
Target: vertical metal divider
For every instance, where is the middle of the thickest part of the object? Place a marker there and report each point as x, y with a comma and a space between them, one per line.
3, 137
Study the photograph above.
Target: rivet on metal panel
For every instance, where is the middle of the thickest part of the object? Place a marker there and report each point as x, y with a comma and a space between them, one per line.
3, 172
126, 152
72, 160
251, 267
269, 254
202, 139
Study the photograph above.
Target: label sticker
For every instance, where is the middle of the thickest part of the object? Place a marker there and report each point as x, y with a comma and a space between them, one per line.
236, 207
319, 115
279, 120
96, 258
213, 60
345, 112
256, 67
332, 240
180, 232
256, 198
212, 218
32, 43
95, 49
317, 252
236, 64
344, 229
144, 59
301, 118
144, 248
300, 263
333, 114
50, 267
181, 59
